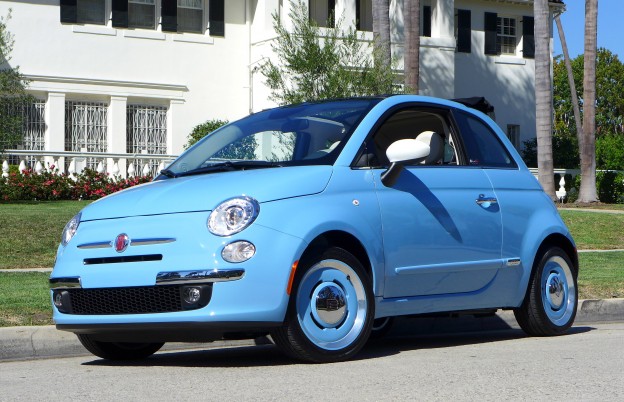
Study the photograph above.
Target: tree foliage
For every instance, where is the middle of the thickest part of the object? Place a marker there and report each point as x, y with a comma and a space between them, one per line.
202, 130
315, 63
12, 91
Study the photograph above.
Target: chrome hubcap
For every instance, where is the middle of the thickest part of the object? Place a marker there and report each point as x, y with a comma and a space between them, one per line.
331, 307
558, 291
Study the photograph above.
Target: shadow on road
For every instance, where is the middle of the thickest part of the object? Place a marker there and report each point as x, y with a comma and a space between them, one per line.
408, 334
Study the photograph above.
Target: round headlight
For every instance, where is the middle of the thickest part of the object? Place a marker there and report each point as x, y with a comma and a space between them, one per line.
233, 215
70, 229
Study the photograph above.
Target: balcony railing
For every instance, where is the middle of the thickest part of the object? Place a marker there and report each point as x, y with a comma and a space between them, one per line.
117, 165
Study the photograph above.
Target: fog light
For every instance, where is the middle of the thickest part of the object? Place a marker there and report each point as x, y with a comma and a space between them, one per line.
192, 295
58, 300
238, 251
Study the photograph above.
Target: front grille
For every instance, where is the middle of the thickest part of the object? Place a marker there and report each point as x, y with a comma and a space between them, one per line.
131, 300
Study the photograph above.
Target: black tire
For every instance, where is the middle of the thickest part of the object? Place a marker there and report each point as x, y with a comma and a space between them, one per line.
331, 309
381, 327
119, 350
550, 304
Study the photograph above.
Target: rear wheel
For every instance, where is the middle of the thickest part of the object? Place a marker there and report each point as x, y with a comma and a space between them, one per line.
331, 309
549, 307
119, 350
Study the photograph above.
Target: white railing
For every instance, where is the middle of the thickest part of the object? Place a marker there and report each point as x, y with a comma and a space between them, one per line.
74, 162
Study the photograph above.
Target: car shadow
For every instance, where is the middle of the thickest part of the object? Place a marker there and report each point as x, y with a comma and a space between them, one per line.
408, 334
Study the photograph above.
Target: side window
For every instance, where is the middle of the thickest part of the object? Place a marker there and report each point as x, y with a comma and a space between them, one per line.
426, 125
482, 145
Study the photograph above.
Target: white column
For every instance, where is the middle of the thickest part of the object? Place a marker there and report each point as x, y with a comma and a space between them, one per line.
176, 138
117, 133
55, 127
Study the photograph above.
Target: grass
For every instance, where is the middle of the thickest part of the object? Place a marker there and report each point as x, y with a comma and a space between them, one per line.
31, 232
595, 231
25, 299
35, 230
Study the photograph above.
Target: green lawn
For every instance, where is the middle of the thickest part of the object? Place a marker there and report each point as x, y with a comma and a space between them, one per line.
595, 230
31, 232
601, 275
24, 299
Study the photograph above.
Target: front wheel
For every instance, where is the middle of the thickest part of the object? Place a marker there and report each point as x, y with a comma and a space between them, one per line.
331, 309
119, 350
549, 307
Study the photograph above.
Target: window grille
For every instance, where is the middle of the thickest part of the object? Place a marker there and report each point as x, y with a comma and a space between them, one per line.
32, 116
191, 16
146, 134
506, 35
91, 12
85, 128
142, 14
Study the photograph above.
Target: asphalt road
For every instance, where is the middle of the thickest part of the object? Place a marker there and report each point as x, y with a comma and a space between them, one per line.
587, 364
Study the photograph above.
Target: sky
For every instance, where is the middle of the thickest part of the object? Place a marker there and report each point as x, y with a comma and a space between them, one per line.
610, 13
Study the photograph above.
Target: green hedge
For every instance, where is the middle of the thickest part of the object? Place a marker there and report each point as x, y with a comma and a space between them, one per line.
609, 184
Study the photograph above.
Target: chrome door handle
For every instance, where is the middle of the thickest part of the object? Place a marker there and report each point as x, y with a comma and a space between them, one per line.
486, 201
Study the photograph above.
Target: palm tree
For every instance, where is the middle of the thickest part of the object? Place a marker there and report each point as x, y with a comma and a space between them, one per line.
574, 96
381, 31
543, 98
411, 18
587, 192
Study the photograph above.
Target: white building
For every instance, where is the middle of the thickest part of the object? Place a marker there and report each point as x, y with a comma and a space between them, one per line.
135, 76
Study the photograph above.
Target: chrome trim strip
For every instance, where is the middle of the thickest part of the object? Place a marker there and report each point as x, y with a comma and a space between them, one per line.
100, 244
148, 242
200, 276
135, 242
65, 283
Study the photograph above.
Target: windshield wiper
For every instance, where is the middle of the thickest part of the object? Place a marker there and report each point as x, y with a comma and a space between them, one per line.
169, 173
229, 166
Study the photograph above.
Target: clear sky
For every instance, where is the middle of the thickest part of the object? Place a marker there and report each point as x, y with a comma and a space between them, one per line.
610, 33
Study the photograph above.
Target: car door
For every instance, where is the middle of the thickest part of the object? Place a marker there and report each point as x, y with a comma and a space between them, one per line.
441, 224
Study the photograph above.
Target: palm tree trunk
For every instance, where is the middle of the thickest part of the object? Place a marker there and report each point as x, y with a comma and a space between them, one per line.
587, 192
574, 96
543, 98
381, 32
411, 18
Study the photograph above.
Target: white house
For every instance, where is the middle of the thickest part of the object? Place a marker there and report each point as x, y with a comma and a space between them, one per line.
135, 76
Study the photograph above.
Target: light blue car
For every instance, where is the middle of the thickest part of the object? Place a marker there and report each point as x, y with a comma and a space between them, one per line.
317, 223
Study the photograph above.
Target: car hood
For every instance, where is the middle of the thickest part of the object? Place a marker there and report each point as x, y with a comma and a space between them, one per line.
205, 192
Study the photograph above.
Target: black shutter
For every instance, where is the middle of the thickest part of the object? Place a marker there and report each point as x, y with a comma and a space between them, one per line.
120, 13
490, 33
69, 14
169, 11
358, 25
528, 37
217, 17
331, 13
426, 23
464, 31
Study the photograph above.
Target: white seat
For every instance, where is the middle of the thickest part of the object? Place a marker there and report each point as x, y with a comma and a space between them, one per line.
436, 144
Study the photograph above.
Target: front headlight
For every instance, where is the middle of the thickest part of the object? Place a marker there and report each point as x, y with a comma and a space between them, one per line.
70, 229
233, 216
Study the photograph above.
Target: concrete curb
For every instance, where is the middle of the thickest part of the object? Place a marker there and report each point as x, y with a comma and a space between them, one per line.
27, 343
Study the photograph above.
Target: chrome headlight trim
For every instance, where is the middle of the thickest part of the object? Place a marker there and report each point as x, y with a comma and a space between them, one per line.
70, 229
233, 215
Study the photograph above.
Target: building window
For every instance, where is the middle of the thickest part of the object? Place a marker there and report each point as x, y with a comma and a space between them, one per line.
146, 133
364, 15
31, 117
142, 14
322, 12
513, 133
190, 16
85, 128
463, 31
426, 21
506, 35
83, 11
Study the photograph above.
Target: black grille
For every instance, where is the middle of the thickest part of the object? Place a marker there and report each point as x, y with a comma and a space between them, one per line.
132, 300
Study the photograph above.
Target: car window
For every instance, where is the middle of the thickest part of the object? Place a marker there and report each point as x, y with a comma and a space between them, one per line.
428, 126
483, 147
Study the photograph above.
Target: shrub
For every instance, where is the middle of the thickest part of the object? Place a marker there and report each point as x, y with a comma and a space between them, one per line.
610, 152
201, 130
50, 185
609, 184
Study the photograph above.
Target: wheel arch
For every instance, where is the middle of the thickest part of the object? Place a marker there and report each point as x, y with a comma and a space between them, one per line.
561, 241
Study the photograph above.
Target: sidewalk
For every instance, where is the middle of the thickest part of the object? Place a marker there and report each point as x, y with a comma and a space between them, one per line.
27, 343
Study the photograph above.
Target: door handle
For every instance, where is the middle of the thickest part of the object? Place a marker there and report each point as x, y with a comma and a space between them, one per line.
485, 202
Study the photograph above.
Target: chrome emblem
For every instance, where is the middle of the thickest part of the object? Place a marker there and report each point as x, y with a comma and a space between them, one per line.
121, 243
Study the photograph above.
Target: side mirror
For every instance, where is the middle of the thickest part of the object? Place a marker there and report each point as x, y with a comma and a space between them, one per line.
398, 153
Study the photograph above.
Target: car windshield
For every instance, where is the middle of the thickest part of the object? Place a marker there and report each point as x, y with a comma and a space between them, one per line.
305, 134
